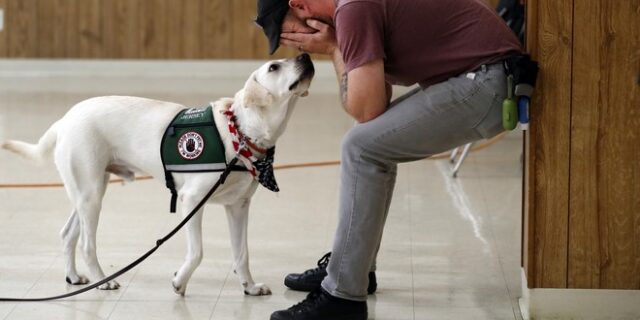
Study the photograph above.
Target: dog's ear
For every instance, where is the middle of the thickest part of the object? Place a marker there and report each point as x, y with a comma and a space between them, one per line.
255, 95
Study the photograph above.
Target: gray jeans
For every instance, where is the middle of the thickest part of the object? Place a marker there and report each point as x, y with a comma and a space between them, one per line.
420, 124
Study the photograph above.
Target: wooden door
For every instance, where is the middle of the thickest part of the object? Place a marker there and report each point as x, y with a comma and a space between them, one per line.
604, 202
582, 197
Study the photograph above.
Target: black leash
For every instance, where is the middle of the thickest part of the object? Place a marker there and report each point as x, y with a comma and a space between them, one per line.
159, 242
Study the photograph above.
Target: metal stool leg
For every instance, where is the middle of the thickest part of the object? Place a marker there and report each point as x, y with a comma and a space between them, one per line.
465, 152
454, 154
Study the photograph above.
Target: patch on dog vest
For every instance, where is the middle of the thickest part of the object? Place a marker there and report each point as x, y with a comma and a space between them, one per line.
192, 143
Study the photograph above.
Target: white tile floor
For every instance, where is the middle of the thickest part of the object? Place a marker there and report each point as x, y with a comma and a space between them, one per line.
451, 248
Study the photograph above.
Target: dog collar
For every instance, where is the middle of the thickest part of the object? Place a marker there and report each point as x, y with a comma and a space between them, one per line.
260, 169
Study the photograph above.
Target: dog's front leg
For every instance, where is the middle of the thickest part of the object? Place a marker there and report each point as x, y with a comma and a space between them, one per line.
238, 218
194, 245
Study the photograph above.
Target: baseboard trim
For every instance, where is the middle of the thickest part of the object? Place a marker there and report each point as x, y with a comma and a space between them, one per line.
587, 304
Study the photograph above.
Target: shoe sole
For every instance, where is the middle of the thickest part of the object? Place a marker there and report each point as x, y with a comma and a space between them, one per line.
354, 317
308, 288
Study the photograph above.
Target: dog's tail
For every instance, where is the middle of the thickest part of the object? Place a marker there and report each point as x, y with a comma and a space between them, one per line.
34, 152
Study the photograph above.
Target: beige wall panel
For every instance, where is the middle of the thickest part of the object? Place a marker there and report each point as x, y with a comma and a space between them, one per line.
3, 33
184, 32
90, 28
56, 28
244, 31
217, 31
121, 25
130, 29
153, 28
72, 35
21, 20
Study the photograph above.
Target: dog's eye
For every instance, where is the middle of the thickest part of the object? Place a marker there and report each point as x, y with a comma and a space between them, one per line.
274, 67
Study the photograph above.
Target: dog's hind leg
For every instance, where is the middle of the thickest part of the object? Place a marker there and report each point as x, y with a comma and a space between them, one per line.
88, 206
70, 234
194, 244
238, 218
86, 189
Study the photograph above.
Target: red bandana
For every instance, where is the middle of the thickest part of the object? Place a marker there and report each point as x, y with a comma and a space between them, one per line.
260, 169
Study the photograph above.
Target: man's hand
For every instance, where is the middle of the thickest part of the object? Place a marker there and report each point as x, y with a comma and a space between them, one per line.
322, 40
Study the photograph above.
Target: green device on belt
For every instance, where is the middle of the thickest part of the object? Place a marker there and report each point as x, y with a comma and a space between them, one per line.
521, 79
509, 108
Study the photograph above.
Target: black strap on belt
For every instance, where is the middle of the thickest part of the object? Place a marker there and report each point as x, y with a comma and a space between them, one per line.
132, 265
524, 71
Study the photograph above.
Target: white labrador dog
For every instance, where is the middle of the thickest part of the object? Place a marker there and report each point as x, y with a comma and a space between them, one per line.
122, 135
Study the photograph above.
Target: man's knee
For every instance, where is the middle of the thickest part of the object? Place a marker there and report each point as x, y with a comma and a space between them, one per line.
363, 144
356, 140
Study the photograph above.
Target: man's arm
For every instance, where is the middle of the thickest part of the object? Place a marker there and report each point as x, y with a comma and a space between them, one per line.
363, 91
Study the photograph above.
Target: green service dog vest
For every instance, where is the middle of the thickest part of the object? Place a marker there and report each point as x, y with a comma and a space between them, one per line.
192, 143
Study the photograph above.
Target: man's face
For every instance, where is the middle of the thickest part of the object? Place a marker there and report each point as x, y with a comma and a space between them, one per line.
293, 24
313, 9
302, 9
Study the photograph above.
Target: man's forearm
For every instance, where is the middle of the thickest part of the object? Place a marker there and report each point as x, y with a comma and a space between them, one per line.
389, 91
362, 90
343, 78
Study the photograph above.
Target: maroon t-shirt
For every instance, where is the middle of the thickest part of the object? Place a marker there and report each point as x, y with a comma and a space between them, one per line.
422, 41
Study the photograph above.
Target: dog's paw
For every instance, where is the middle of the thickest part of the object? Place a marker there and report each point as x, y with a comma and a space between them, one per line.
77, 280
179, 289
111, 285
258, 289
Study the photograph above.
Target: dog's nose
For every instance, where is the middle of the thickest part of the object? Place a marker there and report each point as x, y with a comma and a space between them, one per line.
305, 57
306, 66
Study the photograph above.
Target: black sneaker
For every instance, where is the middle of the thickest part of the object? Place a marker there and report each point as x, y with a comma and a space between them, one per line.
311, 279
320, 305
